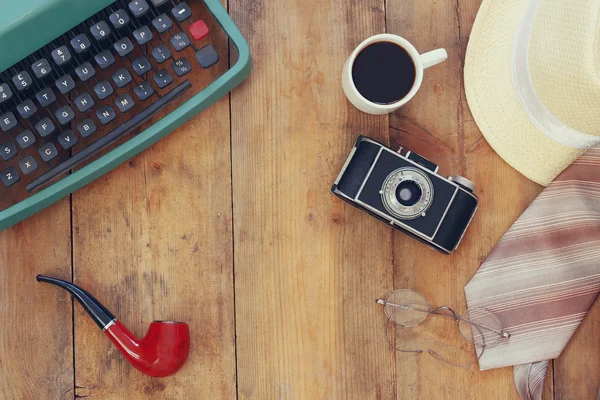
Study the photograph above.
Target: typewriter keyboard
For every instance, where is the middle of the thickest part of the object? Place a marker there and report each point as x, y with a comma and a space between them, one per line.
100, 84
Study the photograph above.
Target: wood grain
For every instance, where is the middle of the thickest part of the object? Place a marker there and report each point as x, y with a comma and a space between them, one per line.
244, 241
160, 251
36, 347
438, 125
445, 132
577, 370
308, 268
153, 241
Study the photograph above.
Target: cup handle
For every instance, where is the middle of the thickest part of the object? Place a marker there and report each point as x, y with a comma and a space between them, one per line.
433, 58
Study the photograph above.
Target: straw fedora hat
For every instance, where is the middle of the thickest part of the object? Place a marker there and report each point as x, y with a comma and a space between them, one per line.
532, 80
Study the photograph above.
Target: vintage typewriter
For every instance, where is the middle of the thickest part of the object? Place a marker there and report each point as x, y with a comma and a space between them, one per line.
87, 84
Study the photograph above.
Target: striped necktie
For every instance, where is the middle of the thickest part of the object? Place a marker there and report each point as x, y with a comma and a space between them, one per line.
544, 275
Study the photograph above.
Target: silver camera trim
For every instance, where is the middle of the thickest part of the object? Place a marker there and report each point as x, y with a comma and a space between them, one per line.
390, 200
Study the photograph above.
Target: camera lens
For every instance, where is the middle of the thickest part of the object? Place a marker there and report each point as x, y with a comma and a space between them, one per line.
408, 193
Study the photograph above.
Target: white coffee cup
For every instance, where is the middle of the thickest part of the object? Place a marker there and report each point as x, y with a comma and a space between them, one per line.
421, 61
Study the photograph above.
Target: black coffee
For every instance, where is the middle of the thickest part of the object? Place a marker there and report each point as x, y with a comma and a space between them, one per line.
383, 73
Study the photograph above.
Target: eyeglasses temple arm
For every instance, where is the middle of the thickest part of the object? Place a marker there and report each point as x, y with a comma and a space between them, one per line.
393, 345
502, 333
436, 355
385, 303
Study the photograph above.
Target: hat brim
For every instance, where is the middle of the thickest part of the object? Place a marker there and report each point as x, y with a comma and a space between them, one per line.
493, 100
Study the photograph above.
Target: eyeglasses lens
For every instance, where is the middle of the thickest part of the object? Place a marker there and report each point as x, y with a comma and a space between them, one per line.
407, 308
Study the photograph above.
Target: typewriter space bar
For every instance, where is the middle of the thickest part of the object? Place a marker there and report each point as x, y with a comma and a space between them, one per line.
110, 138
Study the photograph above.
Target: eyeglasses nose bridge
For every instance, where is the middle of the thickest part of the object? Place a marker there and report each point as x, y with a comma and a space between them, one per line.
452, 312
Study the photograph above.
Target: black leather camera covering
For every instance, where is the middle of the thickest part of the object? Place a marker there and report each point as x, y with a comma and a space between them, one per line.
457, 217
456, 221
358, 168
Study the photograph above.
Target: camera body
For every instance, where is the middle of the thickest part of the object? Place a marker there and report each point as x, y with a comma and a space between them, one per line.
404, 190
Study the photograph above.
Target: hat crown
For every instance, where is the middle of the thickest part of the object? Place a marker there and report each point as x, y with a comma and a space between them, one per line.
564, 61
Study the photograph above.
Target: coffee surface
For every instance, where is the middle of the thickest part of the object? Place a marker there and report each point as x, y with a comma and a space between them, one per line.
383, 73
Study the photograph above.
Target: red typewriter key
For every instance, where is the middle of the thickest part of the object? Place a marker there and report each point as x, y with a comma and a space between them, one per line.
199, 30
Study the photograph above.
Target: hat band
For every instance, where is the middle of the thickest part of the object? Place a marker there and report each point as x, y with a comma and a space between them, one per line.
535, 110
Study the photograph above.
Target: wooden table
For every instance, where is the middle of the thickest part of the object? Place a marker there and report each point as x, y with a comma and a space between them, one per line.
229, 224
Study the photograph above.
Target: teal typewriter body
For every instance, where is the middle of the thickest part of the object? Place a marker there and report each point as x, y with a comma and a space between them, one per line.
86, 85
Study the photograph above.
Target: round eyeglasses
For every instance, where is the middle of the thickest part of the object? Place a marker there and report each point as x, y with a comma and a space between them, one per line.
408, 308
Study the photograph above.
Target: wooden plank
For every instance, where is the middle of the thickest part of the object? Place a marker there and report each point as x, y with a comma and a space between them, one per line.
36, 347
577, 370
308, 267
161, 250
153, 241
437, 124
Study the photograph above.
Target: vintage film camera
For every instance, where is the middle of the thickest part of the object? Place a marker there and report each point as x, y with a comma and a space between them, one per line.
405, 191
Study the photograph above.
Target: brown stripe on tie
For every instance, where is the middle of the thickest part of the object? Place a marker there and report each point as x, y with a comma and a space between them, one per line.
544, 275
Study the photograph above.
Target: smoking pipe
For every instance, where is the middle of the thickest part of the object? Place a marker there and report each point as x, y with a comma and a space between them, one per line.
163, 350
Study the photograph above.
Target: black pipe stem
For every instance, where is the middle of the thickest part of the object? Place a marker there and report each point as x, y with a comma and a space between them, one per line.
94, 308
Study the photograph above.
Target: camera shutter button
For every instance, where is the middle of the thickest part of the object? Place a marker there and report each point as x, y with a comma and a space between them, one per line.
464, 182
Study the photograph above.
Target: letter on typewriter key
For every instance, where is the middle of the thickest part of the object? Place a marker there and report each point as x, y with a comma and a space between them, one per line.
86, 128
106, 114
65, 115
67, 139
45, 97
26, 109
124, 103
124, 47
122, 77
141, 66
105, 59
84, 102
48, 152
45, 127
28, 165
9, 176
143, 35
85, 71
8, 150
7, 122
25, 139
103, 90
65, 84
